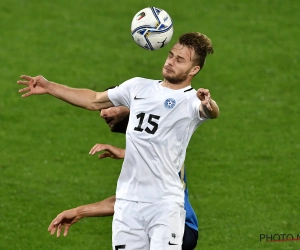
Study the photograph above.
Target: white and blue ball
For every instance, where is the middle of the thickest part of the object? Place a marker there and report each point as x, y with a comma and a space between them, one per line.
152, 28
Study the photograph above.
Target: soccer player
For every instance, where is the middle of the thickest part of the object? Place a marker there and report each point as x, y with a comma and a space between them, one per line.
117, 119
163, 116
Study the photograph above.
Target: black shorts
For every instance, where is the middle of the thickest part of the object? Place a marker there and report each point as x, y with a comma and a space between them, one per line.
190, 238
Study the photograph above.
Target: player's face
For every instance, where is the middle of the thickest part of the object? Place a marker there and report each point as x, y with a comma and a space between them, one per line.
179, 64
116, 118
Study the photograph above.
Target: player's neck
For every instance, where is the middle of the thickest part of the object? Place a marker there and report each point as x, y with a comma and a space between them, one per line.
175, 86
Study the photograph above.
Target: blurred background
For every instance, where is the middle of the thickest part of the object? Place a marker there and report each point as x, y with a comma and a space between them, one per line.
242, 168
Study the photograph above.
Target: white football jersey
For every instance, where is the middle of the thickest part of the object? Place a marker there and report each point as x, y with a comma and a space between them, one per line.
160, 126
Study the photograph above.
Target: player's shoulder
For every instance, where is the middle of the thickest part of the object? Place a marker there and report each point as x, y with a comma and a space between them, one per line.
190, 92
190, 95
139, 80
142, 80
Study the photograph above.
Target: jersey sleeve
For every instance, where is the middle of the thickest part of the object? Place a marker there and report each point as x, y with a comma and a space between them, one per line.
121, 95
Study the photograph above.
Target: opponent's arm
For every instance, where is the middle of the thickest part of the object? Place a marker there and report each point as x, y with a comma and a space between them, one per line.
208, 107
110, 151
69, 217
84, 98
99, 209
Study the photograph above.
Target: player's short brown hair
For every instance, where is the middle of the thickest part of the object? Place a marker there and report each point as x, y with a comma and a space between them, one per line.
200, 43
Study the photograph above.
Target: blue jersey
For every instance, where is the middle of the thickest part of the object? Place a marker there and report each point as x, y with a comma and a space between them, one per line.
191, 219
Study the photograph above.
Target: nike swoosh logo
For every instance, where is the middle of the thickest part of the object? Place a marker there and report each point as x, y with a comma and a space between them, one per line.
172, 243
137, 98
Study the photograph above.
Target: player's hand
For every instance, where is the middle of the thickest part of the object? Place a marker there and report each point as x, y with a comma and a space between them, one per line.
65, 219
110, 151
204, 96
34, 85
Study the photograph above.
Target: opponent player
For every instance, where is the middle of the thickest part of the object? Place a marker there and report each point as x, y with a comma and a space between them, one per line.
163, 117
117, 120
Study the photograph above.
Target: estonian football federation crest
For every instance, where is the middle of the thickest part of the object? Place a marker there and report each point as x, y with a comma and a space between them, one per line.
170, 103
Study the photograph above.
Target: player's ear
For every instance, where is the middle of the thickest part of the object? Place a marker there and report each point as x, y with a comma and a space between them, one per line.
195, 70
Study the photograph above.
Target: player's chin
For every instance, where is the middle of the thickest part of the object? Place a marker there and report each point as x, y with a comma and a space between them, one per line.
172, 79
168, 74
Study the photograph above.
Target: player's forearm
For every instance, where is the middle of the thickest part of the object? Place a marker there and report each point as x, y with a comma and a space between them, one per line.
98, 209
122, 153
214, 113
83, 98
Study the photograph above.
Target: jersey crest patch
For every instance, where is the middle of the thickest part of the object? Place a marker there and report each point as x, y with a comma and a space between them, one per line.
170, 103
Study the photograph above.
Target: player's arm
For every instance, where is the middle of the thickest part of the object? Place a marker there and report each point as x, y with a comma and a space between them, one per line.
205, 112
208, 108
69, 217
109, 151
84, 98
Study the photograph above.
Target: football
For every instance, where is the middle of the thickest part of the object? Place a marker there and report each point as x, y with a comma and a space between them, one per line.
152, 28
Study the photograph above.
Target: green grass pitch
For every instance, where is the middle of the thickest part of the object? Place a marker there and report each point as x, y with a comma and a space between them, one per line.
242, 168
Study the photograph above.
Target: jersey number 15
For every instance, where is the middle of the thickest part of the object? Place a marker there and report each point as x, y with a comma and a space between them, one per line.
151, 121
